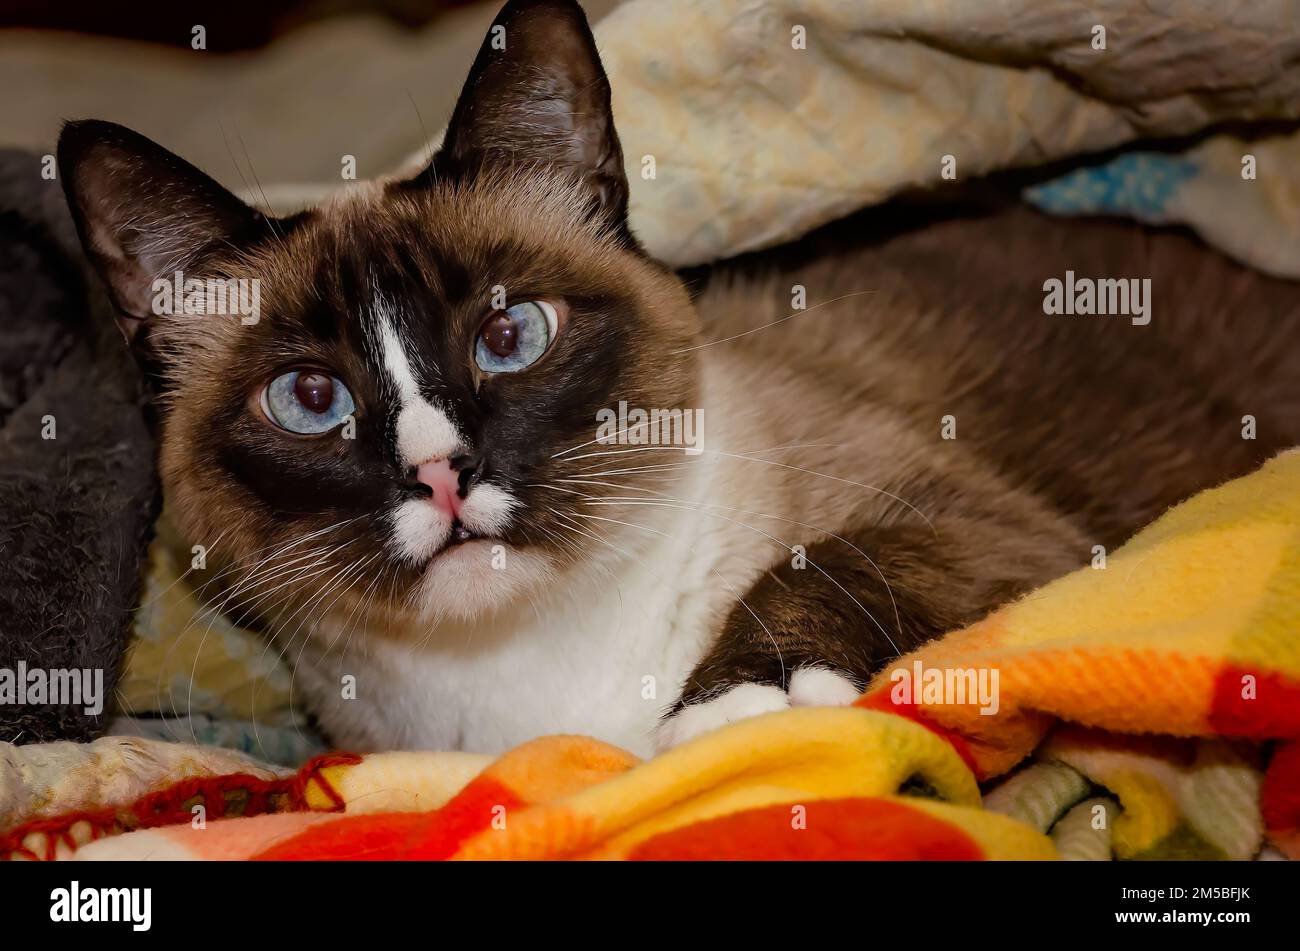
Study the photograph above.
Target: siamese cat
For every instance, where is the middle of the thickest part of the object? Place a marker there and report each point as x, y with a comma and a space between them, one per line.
481, 469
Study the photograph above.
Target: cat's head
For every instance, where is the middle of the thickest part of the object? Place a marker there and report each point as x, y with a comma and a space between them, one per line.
400, 403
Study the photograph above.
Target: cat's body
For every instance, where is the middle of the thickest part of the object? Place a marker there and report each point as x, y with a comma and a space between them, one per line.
462, 560
1102, 426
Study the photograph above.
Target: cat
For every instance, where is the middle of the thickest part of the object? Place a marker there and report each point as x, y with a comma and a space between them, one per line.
403, 469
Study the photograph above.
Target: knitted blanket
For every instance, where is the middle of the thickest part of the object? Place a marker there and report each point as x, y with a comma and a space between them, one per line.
1147, 706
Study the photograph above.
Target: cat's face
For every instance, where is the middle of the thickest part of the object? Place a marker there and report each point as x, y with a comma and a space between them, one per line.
400, 414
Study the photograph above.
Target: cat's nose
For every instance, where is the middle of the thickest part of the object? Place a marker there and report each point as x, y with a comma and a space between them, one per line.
444, 481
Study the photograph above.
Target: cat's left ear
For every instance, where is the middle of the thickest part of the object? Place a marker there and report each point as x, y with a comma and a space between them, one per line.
537, 94
144, 213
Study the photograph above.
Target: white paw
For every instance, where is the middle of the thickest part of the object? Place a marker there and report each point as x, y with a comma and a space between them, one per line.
819, 687
746, 700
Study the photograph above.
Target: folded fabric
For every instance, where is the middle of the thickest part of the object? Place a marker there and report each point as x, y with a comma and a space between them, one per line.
1152, 702
745, 122
279, 745
748, 123
1190, 630
1242, 196
64, 794
811, 784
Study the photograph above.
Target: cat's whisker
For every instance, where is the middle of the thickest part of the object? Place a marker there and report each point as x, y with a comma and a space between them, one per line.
356, 572
574, 527
603, 440
424, 133
178, 579
612, 485
308, 608
730, 587
690, 506
594, 533
213, 611
292, 586
806, 310
282, 550
198, 653
572, 545
556, 488
270, 212
782, 465
647, 475
217, 613
250, 583
321, 591
257, 735
691, 459
347, 645
279, 623
357, 610
570, 592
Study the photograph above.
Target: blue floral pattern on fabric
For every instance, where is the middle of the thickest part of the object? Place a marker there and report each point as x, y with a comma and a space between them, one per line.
1139, 184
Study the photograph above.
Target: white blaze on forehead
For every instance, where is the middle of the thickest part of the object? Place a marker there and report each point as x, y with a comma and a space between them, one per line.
424, 431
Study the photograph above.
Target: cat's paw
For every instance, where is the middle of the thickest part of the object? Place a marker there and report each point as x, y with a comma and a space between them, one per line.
809, 687
736, 703
821, 687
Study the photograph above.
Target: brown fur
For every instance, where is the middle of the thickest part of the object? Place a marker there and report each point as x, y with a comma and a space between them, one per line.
538, 239
1092, 426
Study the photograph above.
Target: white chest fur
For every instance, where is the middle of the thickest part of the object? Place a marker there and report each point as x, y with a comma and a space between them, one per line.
602, 659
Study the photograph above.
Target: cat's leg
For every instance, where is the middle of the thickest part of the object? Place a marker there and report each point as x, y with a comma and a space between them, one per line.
813, 630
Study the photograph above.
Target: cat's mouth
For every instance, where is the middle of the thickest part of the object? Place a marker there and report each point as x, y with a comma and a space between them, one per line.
425, 528
460, 533
459, 536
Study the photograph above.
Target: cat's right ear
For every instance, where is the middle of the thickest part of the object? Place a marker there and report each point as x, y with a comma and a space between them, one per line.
538, 94
144, 213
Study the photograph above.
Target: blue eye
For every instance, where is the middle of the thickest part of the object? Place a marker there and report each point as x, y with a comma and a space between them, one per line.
515, 338
307, 401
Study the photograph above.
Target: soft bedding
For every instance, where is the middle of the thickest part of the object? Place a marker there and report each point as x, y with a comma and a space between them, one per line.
1147, 709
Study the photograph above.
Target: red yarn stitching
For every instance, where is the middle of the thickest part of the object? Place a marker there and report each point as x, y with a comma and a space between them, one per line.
174, 805
312, 772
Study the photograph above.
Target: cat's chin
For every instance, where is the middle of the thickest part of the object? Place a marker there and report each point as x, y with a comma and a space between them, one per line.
477, 578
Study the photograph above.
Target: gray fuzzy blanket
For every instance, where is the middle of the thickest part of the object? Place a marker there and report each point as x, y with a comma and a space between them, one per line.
78, 483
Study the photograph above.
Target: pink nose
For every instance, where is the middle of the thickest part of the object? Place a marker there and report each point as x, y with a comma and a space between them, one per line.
439, 476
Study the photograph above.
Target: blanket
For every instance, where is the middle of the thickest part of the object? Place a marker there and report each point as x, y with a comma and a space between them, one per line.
78, 483
747, 122
1146, 706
